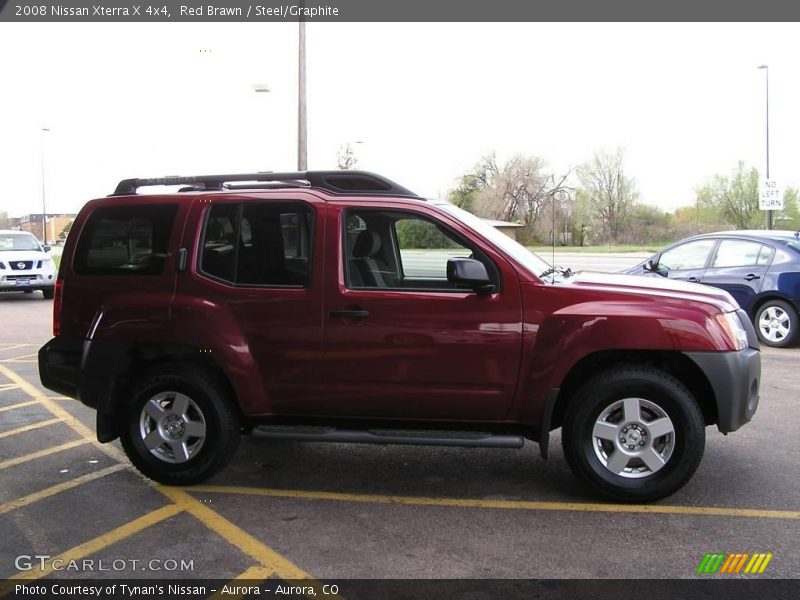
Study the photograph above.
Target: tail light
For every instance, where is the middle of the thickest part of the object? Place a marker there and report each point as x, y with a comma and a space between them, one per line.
57, 296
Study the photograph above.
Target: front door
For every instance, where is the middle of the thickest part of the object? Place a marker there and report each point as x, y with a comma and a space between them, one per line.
686, 262
402, 342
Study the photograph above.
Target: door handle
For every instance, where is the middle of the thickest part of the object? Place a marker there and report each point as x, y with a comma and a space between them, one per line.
693, 280
752, 276
344, 313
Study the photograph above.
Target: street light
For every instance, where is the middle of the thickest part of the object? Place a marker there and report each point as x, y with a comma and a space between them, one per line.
766, 72
44, 203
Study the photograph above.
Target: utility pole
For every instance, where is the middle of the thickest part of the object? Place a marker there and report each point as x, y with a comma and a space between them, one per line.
44, 203
302, 126
766, 72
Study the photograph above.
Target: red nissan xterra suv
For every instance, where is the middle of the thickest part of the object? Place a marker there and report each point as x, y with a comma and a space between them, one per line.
339, 306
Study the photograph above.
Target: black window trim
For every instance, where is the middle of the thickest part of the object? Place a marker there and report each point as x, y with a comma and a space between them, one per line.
494, 272
309, 208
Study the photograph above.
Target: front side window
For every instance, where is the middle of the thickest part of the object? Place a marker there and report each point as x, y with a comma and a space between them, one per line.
258, 244
691, 255
401, 251
125, 240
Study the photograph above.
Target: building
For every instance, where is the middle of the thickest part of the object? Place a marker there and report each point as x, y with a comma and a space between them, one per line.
32, 223
507, 227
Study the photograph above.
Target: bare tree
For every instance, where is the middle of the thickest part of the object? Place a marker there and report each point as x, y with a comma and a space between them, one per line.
609, 193
518, 190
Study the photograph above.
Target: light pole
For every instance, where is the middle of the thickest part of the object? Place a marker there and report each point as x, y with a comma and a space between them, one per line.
302, 128
766, 72
44, 203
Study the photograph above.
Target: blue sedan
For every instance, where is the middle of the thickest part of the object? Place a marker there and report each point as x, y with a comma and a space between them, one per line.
760, 269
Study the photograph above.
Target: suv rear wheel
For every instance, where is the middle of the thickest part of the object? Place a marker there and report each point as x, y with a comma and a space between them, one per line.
180, 426
634, 434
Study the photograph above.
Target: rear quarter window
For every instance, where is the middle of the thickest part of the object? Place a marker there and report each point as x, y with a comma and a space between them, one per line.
125, 240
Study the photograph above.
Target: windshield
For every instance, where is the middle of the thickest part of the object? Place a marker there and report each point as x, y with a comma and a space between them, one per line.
517, 251
18, 241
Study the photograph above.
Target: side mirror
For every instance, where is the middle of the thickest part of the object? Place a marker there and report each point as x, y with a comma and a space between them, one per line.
46, 248
652, 267
469, 273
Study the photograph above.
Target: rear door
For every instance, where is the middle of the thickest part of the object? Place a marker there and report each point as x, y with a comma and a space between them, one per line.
253, 297
739, 267
402, 342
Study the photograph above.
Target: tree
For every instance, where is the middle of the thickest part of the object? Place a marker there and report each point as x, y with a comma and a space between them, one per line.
733, 198
607, 191
5, 221
519, 190
65, 231
346, 157
789, 217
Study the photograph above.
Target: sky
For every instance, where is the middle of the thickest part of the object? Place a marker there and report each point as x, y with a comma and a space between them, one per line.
425, 101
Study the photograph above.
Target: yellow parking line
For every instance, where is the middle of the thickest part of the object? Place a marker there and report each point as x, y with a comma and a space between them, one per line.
57, 489
60, 412
251, 574
13, 347
30, 427
95, 545
709, 511
8, 386
19, 405
269, 559
41, 453
21, 358
272, 561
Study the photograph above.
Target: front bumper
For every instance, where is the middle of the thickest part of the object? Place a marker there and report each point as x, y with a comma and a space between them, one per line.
735, 378
33, 279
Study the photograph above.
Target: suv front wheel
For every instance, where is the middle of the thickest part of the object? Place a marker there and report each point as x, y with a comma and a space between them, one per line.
634, 434
180, 426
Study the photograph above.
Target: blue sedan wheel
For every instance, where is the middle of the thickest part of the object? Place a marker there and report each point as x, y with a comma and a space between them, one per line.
777, 324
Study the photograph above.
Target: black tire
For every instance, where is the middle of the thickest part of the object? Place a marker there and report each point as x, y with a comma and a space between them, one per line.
209, 404
601, 401
777, 324
48, 294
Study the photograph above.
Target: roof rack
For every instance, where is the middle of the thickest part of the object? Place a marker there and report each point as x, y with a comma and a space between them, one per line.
352, 183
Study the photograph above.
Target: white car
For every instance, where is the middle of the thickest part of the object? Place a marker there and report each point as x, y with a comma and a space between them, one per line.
25, 265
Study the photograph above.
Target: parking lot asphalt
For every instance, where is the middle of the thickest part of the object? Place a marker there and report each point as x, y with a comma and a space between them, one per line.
331, 511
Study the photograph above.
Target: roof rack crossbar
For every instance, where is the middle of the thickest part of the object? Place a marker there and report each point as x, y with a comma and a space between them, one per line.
334, 182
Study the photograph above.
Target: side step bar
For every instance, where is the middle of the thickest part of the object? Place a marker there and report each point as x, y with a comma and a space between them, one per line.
414, 437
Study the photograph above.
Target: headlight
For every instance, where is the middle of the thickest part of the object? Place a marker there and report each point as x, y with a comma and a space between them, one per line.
733, 328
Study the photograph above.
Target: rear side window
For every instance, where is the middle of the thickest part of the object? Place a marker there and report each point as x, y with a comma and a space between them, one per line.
125, 240
740, 253
258, 244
